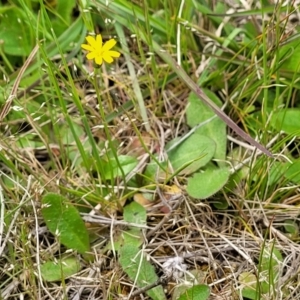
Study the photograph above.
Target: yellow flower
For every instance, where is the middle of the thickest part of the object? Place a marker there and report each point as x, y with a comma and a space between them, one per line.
98, 51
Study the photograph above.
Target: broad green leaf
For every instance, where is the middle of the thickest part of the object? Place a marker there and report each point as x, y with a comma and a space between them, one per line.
113, 168
15, 32
192, 154
270, 262
271, 259
189, 156
63, 221
291, 227
66, 134
249, 282
28, 140
192, 278
139, 269
197, 292
198, 112
277, 172
220, 204
293, 172
290, 54
132, 258
205, 184
134, 213
287, 120
64, 10
60, 270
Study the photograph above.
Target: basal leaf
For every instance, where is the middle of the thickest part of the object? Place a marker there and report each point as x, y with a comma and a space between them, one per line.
132, 258
198, 112
192, 154
293, 172
60, 270
63, 220
140, 270
197, 292
16, 35
287, 120
248, 282
205, 184
113, 167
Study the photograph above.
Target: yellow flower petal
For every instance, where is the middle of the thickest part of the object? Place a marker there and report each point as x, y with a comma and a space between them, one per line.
87, 47
108, 45
107, 58
98, 60
91, 40
91, 55
99, 41
113, 53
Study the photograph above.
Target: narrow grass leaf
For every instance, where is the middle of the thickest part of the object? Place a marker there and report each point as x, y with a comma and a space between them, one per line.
63, 220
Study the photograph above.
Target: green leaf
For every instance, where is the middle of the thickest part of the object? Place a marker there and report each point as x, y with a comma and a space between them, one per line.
290, 54
63, 220
64, 10
15, 32
269, 266
277, 172
291, 227
270, 259
293, 172
58, 271
139, 270
66, 134
192, 154
198, 112
220, 204
287, 120
197, 292
134, 213
124, 164
249, 282
132, 258
205, 184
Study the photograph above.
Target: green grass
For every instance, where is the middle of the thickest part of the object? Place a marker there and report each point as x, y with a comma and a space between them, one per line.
96, 139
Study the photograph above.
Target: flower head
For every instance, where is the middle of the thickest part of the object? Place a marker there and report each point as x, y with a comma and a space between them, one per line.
98, 51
